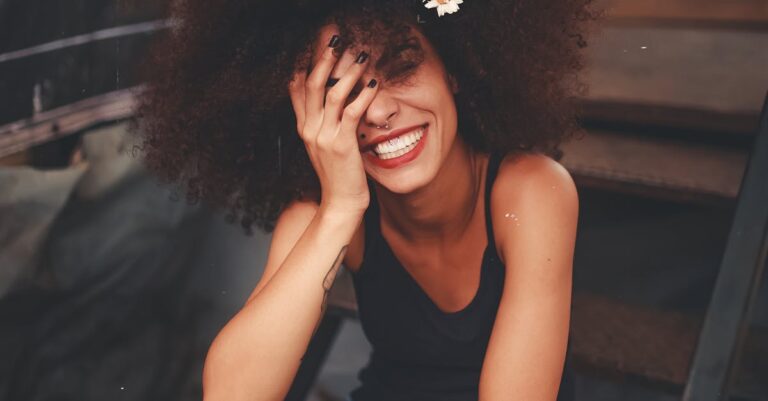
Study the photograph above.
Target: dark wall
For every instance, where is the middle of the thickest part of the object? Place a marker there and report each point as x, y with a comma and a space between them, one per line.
75, 72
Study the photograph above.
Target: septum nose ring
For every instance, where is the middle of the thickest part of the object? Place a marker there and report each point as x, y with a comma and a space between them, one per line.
385, 126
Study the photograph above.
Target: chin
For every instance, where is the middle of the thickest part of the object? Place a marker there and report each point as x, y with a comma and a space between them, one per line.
406, 180
411, 176
401, 187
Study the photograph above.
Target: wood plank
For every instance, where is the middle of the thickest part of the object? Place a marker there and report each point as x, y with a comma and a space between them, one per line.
50, 125
736, 128
615, 339
750, 14
657, 167
653, 347
15, 159
721, 71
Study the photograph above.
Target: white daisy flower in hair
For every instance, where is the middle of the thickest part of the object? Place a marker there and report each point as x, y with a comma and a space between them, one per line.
444, 6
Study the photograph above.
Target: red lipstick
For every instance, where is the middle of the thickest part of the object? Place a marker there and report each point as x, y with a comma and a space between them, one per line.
402, 159
391, 135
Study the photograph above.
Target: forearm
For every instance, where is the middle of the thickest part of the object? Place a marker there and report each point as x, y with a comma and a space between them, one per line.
256, 355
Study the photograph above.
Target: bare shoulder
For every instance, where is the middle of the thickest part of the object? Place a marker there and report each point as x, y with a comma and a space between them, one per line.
531, 176
532, 167
530, 187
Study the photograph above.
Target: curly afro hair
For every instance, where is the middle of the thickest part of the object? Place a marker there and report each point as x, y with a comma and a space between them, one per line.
216, 115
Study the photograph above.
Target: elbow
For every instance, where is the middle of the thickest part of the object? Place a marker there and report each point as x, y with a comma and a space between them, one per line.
212, 369
230, 375
222, 379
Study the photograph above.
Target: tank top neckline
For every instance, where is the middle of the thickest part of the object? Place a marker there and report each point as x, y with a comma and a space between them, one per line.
373, 232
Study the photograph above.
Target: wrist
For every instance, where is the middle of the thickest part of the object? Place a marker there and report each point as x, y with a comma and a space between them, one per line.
338, 223
340, 215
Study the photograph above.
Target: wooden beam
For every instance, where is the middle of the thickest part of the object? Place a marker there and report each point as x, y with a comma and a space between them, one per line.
720, 345
732, 14
66, 120
690, 122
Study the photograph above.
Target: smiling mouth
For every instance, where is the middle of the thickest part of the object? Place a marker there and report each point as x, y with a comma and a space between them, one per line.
399, 145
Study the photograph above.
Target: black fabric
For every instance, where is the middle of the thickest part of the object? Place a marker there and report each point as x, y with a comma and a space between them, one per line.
420, 352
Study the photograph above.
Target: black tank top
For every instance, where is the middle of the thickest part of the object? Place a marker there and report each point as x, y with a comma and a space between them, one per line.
420, 352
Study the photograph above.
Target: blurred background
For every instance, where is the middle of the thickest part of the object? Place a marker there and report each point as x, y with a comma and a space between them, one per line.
112, 287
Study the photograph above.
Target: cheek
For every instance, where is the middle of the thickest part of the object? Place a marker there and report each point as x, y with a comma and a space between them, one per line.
433, 97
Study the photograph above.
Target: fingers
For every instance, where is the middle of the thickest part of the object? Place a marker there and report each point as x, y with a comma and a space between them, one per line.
297, 93
355, 110
321, 112
337, 96
315, 84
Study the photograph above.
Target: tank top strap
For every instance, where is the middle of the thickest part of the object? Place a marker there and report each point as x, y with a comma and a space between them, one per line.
490, 177
373, 208
371, 221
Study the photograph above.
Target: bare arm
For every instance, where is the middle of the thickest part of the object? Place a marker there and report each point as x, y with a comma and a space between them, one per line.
256, 355
527, 349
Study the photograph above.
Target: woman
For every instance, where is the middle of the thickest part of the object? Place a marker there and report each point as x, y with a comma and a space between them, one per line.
425, 163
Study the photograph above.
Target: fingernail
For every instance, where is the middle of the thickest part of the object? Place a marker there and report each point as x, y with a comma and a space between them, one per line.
361, 57
334, 41
372, 83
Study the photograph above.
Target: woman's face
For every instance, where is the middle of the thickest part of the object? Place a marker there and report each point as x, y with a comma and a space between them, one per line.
419, 109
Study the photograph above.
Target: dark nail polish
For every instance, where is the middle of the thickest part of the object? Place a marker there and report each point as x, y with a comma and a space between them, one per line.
361, 57
372, 83
334, 41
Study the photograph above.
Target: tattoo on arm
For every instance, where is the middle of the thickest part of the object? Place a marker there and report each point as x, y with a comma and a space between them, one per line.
330, 277
328, 281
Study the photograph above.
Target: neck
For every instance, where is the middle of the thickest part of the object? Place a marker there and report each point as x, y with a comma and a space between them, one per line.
442, 210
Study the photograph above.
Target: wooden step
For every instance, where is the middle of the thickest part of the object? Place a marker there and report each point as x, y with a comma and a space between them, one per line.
656, 167
721, 71
693, 124
653, 347
732, 14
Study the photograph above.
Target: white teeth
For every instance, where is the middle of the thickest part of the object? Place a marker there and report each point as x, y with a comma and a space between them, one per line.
397, 153
398, 146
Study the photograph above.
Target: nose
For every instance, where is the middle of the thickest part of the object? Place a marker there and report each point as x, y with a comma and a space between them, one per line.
381, 111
